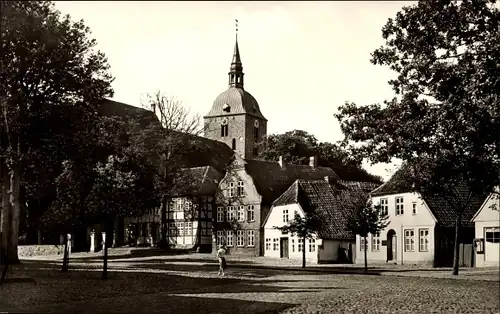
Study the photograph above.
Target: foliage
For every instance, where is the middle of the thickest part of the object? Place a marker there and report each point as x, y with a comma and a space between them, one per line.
367, 219
296, 147
304, 227
445, 118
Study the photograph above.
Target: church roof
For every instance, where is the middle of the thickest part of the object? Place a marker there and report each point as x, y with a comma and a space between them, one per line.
332, 203
271, 180
197, 181
239, 101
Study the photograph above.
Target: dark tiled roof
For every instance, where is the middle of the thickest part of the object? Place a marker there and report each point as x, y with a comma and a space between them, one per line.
272, 180
197, 181
200, 151
401, 182
110, 108
197, 151
332, 203
239, 100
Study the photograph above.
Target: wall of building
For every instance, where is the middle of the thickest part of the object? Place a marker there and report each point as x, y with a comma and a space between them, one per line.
330, 249
250, 199
487, 218
422, 220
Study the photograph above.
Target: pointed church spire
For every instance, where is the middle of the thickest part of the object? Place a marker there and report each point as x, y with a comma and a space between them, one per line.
236, 70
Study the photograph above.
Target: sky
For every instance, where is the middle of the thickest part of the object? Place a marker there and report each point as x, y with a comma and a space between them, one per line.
301, 59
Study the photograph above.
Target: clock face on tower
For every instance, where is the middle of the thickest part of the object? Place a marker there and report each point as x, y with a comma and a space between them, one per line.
256, 123
224, 121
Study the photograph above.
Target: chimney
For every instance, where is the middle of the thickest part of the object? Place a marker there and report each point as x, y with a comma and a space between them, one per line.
280, 161
313, 161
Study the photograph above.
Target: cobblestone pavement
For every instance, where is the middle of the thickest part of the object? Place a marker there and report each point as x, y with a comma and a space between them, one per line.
180, 287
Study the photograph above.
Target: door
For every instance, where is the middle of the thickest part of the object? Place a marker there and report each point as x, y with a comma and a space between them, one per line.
491, 244
391, 245
284, 248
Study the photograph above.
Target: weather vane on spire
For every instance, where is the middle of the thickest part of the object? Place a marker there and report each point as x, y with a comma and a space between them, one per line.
236, 22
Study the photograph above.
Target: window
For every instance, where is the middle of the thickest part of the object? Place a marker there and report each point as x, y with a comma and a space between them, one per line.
230, 213
414, 208
423, 239
362, 245
172, 229
189, 227
241, 213
179, 203
220, 214
285, 215
268, 244
376, 242
399, 206
384, 206
312, 245
224, 131
240, 236
233, 144
300, 245
276, 244
180, 228
492, 235
256, 132
188, 205
231, 189
229, 237
241, 189
251, 238
250, 213
220, 237
409, 240
293, 245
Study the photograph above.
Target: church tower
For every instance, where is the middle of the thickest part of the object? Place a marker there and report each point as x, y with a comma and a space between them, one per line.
235, 117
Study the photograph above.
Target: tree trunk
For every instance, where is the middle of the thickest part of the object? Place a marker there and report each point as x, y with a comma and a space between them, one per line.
163, 222
5, 218
115, 232
456, 248
15, 203
366, 254
304, 252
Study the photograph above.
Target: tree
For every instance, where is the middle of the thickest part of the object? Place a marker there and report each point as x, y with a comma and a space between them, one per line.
50, 71
366, 219
445, 118
304, 227
297, 146
166, 144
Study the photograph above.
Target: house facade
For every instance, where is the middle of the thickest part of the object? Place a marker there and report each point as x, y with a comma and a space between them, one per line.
188, 213
487, 232
421, 227
245, 196
329, 200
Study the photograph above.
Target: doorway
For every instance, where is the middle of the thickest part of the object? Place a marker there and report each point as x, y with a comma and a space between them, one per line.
284, 248
391, 246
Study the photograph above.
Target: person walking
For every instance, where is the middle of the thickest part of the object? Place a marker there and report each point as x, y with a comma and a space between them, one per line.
222, 260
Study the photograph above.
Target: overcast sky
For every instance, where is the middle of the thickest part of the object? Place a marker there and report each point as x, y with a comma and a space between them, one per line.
301, 59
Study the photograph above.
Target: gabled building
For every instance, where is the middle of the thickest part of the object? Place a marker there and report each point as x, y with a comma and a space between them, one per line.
487, 232
246, 194
188, 216
332, 202
421, 226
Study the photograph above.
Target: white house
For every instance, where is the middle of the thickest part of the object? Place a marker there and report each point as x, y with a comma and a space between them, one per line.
331, 201
487, 227
421, 227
